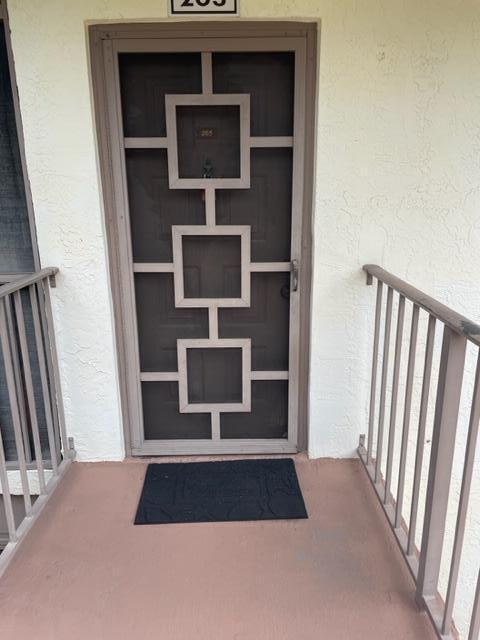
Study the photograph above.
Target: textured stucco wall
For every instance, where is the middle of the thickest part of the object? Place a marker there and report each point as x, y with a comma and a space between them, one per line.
397, 183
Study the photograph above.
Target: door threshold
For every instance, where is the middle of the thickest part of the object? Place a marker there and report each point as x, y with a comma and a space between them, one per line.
207, 447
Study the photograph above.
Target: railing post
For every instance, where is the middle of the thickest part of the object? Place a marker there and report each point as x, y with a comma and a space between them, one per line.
441, 460
468, 470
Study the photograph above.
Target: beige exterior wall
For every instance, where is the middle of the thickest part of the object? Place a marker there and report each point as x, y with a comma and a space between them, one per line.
397, 183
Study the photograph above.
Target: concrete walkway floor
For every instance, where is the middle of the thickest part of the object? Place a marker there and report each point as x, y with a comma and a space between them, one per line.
86, 572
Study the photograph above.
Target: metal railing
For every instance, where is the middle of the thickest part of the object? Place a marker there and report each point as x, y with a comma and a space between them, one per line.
38, 451
381, 460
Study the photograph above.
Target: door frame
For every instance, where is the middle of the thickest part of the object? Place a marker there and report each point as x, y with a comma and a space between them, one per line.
104, 41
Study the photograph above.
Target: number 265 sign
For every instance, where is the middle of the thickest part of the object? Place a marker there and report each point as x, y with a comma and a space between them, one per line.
199, 7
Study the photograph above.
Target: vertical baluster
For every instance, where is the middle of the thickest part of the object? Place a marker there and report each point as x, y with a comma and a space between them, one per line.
441, 460
48, 360
54, 366
14, 405
18, 379
393, 406
43, 377
17, 297
7, 499
406, 415
474, 633
373, 388
463, 502
383, 390
422, 422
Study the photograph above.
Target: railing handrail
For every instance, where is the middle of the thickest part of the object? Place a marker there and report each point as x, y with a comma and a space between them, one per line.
454, 320
26, 280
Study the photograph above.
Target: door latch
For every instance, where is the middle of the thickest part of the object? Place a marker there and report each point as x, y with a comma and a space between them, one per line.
294, 275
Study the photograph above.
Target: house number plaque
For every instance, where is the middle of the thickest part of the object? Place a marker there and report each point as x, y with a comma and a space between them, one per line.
204, 7
207, 132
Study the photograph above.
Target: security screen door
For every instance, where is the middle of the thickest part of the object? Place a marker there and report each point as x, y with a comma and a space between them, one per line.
210, 139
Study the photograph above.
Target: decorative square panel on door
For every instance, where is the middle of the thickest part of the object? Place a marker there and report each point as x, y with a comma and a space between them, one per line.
219, 283
213, 173
237, 360
216, 129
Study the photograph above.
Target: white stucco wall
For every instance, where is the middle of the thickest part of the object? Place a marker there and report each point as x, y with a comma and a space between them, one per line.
397, 183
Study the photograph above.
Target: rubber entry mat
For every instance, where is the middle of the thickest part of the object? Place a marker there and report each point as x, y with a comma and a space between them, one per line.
232, 490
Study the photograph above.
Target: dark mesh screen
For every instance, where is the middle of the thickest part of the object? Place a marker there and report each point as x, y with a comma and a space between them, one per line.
266, 321
154, 207
145, 79
209, 146
266, 206
268, 78
208, 141
269, 415
160, 323
214, 375
161, 418
211, 266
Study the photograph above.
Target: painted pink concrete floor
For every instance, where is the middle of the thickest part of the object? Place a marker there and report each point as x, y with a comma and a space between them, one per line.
85, 572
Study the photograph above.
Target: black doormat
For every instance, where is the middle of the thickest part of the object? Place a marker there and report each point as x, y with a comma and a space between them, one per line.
220, 491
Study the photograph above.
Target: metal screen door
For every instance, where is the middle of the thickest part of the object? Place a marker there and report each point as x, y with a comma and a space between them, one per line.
209, 163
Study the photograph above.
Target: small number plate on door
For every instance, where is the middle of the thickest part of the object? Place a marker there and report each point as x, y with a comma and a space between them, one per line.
210, 7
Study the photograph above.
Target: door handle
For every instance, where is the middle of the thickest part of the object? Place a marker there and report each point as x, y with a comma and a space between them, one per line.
294, 275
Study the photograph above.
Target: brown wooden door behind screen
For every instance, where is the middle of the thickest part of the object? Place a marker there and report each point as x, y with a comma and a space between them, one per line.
208, 163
